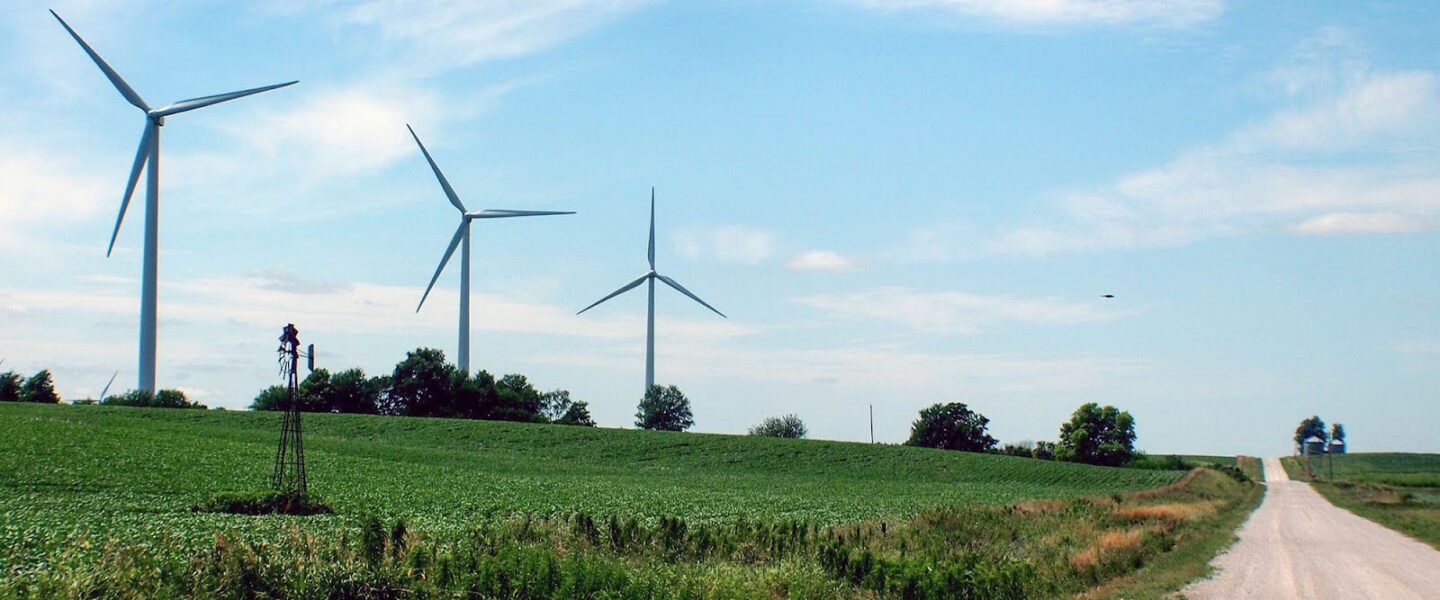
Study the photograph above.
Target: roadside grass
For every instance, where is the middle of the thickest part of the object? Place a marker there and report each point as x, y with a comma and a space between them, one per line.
1231, 503
1253, 467
96, 502
1400, 491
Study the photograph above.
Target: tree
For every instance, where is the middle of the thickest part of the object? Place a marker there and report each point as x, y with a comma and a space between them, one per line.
351, 392
1337, 432
1044, 450
314, 391
1097, 435
270, 398
557, 407
517, 400
1311, 427
421, 386
788, 426
39, 388
664, 408
951, 426
578, 414
9, 386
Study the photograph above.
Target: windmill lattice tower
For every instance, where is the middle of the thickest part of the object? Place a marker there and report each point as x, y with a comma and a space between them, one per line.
289, 474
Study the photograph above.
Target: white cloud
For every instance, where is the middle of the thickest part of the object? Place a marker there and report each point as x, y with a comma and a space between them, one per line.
821, 260
728, 243
952, 312
1168, 13
1351, 223
1358, 159
437, 35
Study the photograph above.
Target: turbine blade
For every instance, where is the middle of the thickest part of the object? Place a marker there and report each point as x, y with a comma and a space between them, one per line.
204, 101
107, 387
449, 250
628, 287
651, 254
501, 214
142, 155
680, 288
444, 183
124, 88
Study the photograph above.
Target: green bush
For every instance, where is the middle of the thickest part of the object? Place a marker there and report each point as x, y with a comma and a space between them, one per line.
264, 503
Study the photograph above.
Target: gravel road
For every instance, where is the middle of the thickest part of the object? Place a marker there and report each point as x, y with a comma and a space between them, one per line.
1298, 545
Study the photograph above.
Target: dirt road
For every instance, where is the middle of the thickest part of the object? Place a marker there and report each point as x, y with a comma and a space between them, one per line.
1298, 545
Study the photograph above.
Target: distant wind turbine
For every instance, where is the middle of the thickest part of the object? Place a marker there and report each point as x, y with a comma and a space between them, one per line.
462, 235
107, 388
149, 154
650, 277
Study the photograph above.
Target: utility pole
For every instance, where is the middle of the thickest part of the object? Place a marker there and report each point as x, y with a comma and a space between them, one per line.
872, 423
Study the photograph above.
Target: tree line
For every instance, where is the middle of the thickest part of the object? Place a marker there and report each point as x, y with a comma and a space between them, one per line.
424, 385
1096, 435
39, 388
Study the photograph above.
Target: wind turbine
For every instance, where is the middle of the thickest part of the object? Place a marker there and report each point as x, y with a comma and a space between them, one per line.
462, 235
148, 154
650, 277
107, 388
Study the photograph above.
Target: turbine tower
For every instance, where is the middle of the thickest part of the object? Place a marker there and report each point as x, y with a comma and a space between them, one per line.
462, 235
649, 278
148, 156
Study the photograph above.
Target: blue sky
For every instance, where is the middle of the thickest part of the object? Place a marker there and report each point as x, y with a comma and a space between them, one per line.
897, 202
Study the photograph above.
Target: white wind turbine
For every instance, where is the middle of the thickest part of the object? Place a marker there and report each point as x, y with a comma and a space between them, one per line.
462, 235
148, 156
650, 277
107, 388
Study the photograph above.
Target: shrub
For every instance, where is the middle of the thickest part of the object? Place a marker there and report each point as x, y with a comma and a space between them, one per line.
788, 426
951, 426
263, 503
1044, 450
664, 408
144, 399
1021, 449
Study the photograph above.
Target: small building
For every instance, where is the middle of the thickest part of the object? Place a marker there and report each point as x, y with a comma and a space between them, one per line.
1313, 445
1337, 446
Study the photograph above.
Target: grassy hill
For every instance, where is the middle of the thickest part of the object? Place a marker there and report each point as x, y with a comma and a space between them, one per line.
131, 476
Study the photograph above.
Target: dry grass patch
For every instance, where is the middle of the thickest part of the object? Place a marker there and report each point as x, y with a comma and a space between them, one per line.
1175, 512
1038, 507
1109, 544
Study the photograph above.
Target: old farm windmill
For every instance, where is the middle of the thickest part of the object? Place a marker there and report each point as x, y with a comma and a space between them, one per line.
289, 474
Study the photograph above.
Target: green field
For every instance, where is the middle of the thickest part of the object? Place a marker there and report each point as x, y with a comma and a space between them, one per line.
1398, 490
127, 478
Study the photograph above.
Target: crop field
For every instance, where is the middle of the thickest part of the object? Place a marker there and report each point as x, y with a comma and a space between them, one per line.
75, 481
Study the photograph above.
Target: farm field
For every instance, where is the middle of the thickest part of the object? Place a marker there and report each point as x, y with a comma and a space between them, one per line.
78, 484
1398, 490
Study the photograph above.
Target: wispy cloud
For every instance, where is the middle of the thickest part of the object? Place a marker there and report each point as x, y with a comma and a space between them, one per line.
1357, 158
822, 261
1358, 223
1166, 13
952, 312
728, 243
440, 35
